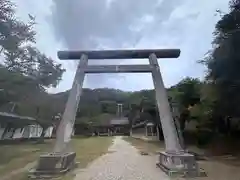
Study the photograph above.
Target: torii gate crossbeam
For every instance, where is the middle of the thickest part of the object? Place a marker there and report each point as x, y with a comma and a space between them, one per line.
174, 159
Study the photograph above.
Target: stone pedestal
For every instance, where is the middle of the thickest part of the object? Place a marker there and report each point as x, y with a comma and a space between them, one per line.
182, 163
53, 164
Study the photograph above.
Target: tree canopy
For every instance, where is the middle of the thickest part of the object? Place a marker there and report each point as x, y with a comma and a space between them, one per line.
17, 40
25, 72
223, 62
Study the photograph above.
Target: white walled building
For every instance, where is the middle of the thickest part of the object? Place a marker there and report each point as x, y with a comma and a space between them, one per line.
20, 127
29, 131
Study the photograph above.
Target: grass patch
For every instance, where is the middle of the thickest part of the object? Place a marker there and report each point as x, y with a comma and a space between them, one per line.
21, 176
16, 156
146, 146
87, 150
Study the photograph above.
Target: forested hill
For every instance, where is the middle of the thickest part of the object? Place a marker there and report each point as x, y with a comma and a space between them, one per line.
95, 102
29, 99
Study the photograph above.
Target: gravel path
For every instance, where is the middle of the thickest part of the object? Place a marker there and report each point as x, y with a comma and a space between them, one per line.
123, 163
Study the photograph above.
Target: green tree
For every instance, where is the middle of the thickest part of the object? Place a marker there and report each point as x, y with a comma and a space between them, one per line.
14, 86
17, 40
25, 72
223, 62
13, 32
186, 93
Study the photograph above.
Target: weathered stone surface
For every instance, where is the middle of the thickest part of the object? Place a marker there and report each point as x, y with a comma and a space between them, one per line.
53, 164
169, 130
65, 128
120, 54
183, 164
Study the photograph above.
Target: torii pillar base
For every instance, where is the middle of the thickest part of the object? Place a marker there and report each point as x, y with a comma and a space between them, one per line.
179, 164
53, 165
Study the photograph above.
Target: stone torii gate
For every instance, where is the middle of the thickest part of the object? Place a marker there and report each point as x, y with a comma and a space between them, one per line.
173, 160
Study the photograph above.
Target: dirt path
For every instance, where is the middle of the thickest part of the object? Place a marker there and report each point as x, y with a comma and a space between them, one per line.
123, 163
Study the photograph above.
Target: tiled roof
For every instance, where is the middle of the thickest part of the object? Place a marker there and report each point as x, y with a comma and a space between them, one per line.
119, 121
14, 116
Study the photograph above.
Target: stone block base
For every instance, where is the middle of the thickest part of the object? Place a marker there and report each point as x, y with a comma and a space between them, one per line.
53, 164
179, 164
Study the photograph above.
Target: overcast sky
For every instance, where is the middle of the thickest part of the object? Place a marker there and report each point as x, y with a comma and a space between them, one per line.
119, 24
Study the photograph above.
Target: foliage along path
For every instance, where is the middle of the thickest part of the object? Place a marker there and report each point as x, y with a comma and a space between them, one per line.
123, 163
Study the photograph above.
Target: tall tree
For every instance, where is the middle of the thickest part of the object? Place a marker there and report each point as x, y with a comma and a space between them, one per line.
186, 93
25, 71
223, 62
14, 86
17, 40
14, 32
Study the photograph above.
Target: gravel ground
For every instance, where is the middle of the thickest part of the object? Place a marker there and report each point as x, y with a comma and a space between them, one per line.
124, 162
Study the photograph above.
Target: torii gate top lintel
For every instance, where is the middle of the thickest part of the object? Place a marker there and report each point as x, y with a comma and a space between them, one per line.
119, 54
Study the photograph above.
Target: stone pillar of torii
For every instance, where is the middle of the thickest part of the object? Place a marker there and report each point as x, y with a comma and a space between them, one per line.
174, 158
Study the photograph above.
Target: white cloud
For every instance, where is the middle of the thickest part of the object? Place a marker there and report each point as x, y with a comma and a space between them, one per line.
91, 24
